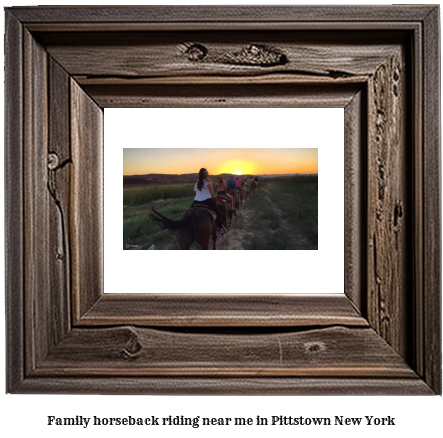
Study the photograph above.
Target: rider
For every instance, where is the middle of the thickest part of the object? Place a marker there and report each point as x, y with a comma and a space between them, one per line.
221, 190
238, 183
204, 192
231, 183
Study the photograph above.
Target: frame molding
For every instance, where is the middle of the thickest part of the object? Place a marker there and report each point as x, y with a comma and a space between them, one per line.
64, 65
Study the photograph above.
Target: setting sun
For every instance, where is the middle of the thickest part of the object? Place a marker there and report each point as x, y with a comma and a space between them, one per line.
238, 167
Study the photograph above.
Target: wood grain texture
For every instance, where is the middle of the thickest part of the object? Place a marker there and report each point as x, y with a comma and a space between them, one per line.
59, 180
388, 204
381, 27
14, 239
160, 54
355, 195
129, 351
86, 200
204, 310
228, 14
225, 96
417, 358
432, 204
38, 306
226, 386
232, 80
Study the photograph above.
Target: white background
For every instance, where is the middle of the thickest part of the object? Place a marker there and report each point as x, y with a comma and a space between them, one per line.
23, 415
282, 271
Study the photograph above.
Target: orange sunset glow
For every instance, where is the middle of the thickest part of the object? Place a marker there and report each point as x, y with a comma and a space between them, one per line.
238, 161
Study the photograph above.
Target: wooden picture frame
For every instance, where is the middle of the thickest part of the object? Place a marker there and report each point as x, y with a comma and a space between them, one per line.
64, 65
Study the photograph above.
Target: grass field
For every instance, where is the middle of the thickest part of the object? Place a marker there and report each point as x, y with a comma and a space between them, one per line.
297, 199
264, 223
142, 232
135, 196
271, 210
279, 204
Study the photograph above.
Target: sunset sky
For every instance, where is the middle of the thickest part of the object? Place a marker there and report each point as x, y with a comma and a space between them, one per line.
140, 161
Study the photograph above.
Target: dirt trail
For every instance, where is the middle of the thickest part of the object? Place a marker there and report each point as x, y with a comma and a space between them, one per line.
236, 237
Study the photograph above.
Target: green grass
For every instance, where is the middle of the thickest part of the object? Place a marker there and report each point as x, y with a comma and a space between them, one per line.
263, 216
240, 222
146, 195
265, 220
297, 198
271, 241
140, 230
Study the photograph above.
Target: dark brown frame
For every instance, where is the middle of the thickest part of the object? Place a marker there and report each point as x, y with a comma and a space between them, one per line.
63, 65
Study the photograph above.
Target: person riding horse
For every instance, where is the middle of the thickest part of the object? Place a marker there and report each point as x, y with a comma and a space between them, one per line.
197, 224
251, 183
204, 192
231, 183
237, 183
221, 190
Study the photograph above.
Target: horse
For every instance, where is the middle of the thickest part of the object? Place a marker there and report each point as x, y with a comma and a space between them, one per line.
242, 195
225, 209
246, 192
236, 200
197, 224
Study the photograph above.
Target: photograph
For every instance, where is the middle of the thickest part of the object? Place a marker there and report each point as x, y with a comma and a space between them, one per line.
229, 199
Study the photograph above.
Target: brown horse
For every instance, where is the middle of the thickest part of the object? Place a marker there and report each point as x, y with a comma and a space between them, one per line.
246, 192
225, 210
196, 224
242, 195
236, 200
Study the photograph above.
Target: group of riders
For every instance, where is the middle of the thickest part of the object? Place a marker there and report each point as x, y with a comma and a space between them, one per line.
204, 193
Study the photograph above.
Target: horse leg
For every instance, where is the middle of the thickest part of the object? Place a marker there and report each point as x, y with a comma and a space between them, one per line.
204, 245
204, 231
235, 202
214, 238
185, 238
224, 221
184, 244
